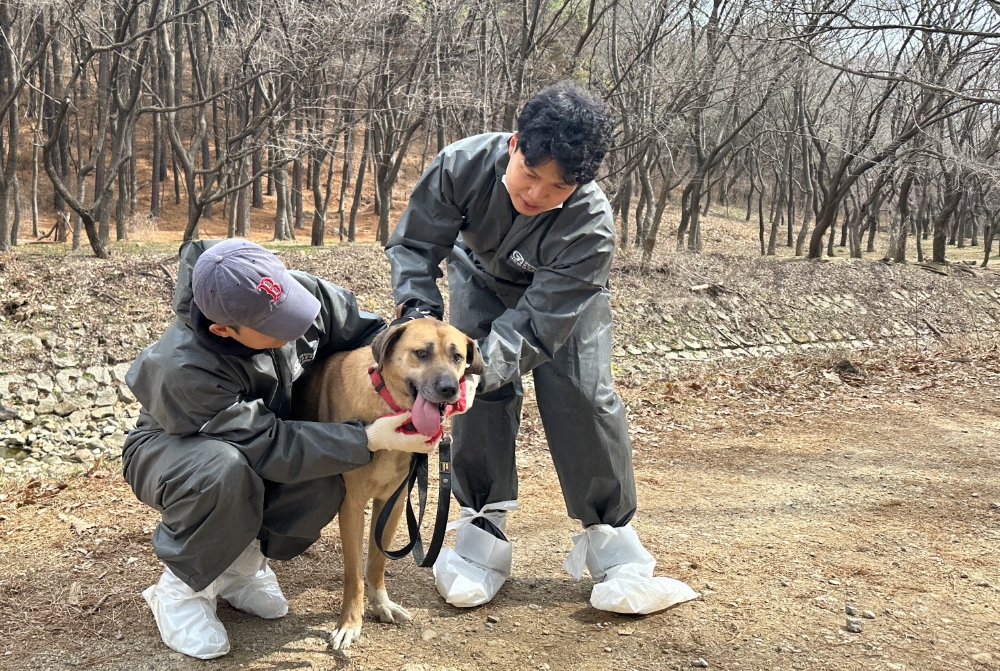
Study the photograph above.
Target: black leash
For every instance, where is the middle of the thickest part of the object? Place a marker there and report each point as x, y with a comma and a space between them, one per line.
418, 476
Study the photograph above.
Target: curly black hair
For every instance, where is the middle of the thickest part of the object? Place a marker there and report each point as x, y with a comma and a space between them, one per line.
568, 124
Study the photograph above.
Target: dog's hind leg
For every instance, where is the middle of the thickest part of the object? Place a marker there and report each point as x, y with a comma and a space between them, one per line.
378, 598
352, 528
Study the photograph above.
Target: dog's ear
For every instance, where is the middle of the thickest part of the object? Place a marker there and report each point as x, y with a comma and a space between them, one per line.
474, 358
384, 342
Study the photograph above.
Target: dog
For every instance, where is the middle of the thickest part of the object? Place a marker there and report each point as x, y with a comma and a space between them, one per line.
422, 363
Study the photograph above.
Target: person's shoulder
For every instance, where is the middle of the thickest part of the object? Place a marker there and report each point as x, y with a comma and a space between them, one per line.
304, 278
475, 150
179, 352
590, 207
175, 344
592, 194
583, 230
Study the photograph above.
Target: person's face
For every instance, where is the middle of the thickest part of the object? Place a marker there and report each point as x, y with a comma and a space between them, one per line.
247, 336
534, 190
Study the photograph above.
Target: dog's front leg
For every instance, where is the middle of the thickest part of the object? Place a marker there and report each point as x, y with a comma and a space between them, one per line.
378, 597
352, 527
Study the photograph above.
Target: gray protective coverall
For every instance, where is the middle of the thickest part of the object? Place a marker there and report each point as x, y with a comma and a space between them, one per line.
213, 449
533, 291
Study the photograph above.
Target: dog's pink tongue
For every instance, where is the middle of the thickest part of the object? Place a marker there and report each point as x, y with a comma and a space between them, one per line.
426, 416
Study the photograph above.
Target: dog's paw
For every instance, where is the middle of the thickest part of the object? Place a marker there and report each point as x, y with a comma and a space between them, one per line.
342, 637
386, 610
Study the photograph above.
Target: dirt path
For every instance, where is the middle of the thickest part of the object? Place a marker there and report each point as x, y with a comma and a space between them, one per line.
781, 508
782, 488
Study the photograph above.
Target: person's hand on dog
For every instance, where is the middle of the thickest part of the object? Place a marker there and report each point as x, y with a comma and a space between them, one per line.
471, 382
387, 433
414, 309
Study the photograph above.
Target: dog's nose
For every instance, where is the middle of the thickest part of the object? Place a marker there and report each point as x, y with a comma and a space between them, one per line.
447, 387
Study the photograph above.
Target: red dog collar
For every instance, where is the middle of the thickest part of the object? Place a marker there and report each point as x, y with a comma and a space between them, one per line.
380, 387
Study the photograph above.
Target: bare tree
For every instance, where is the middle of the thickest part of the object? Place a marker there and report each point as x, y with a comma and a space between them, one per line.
240, 142
124, 84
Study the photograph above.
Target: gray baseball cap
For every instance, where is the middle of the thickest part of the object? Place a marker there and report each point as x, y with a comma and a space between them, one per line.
239, 283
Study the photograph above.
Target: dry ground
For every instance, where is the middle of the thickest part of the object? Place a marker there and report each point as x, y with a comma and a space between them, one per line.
779, 507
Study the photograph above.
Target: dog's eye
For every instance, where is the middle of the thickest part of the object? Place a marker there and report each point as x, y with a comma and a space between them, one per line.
458, 358
421, 353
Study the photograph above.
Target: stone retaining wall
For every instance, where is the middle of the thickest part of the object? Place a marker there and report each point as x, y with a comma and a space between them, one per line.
63, 423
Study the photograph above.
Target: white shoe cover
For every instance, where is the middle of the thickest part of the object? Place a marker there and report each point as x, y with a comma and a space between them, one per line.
623, 569
186, 619
472, 573
251, 586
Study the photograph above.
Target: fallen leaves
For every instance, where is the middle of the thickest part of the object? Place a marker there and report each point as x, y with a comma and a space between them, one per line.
833, 378
77, 525
75, 594
37, 490
98, 470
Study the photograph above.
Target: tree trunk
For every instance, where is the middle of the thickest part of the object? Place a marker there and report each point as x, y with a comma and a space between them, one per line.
898, 232
283, 221
760, 218
243, 203
385, 207
953, 196
154, 181
682, 228
356, 203
654, 228
269, 189
177, 178
8, 163
296, 189
257, 163
708, 196
960, 222
989, 231
790, 188
122, 205
626, 196
778, 208
808, 202
63, 142
833, 228
346, 172
640, 215
845, 228
34, 178
232, 210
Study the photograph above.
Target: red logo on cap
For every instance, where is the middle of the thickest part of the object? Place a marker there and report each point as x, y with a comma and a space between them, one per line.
272, 288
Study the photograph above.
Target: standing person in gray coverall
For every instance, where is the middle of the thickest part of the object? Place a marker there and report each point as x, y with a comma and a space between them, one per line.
529, 239
234, 480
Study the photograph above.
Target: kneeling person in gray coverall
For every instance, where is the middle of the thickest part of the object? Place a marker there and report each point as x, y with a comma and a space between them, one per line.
235, 482
529, 239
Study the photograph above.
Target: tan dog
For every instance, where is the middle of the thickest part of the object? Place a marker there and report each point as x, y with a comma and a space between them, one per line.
422, 362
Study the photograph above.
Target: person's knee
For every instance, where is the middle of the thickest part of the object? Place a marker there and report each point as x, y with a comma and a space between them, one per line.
226, 472
332, 491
